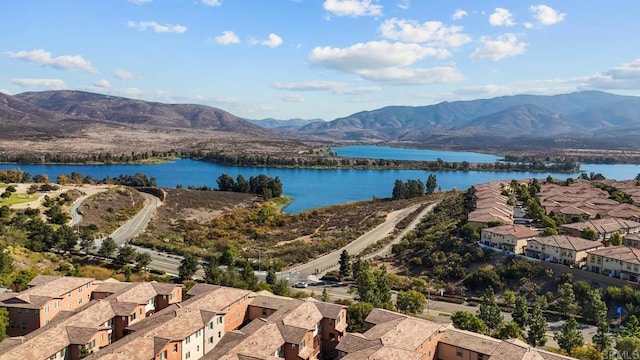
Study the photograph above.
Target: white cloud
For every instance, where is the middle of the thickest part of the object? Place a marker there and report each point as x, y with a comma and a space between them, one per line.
404, 4
499, 48
122, 74
430, 32
273, 41
626, 76
362, 90
102, 83
40, 83
546, 15
292, 98
212, 2
65, 62
370, 55
310, 85
459, 14
159, 28
228, 37
353, 8
528, 25
139, 2
407, 76
501, 17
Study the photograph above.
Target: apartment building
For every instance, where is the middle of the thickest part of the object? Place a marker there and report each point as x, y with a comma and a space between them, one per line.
186, 330
563, 249
508, 237
66, 337
392, 334
616, 261
604, 228
632, 240
281, 327
45, 297
458, 344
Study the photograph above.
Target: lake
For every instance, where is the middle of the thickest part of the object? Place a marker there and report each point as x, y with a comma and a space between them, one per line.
312, 188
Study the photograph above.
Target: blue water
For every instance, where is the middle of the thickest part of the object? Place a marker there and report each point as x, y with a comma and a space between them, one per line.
312, 188
391, 153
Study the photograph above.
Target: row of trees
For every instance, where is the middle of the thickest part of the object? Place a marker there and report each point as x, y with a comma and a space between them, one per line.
262, 184
414, 188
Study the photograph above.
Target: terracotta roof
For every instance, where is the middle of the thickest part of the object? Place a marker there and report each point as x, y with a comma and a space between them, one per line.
305, 316
408, 333
568, 242
44, 288
517, 231
383, 353
137, 348
379, 316
329, 310
214, 298
624, 253
469, 340
607, 225
165, 289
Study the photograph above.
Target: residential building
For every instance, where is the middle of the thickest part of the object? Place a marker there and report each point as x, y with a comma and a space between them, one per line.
563, 249
489, 205
632, 240
285, 328
512, 238
45, 297
616, 261
394, 336
604, 228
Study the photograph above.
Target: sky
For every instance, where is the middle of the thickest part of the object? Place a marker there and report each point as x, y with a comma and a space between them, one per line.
319, 58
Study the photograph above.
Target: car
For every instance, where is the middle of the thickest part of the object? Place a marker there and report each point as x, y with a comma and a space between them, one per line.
300, 284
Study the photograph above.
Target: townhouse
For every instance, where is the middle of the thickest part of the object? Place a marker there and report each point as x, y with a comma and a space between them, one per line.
285, 328
632, 240
616, 261
511, 238
394, 336
604, 228
186, 330
458, 344
563, 249
45, 297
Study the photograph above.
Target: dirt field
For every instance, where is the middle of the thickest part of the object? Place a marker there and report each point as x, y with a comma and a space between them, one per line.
110, 209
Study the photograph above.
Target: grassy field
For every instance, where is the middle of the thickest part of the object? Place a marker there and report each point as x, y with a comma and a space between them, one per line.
280, 202
18, 199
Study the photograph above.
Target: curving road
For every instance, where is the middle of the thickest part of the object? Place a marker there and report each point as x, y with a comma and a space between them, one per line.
317, 267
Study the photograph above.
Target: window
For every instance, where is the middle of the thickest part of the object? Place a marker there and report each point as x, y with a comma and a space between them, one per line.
211, 325
210, 339
68, 294
11, 324
26, 312
80, 289
46, 309
80, 301
132, 317
303, 344
24, 325
163, 355
459, 352
237, 315
188, 339
187, 355
480, 357
53, 356
244, 298
198, 348
219, 320
219, 334
56, 304
175, 347
264, 311
338, 319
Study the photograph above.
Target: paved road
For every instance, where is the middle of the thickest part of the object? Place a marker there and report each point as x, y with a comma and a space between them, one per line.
317, 267
76, 217
387, 249
136, 224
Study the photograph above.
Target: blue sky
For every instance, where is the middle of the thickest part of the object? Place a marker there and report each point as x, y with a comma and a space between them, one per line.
318, 58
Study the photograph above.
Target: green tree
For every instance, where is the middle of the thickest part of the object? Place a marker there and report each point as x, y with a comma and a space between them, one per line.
509, 297
126, 255
143, 259
271, 278
64, 238
589, 234
537, 328
567, 301
345, 264
87, 245
249, 277
188, 267
465, 320
569, 336
520, 313
226, 183
281, 288
510, 330
6, 262
489, 311
601, 339
432, 184
628, 345
4, 323
356, 313
229, 254
212, 272
631, 327
108, 248
616, 239
56, 215
325, 295
383, 288
366, 286
400, 190
594, 309
411, 301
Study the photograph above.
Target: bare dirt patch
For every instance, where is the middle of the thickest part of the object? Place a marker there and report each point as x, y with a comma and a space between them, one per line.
109, 209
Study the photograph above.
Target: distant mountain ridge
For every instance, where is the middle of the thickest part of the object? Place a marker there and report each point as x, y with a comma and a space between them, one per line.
577, 114
271, 123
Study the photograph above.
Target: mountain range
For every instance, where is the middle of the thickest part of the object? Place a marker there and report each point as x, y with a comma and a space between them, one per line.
587, 117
